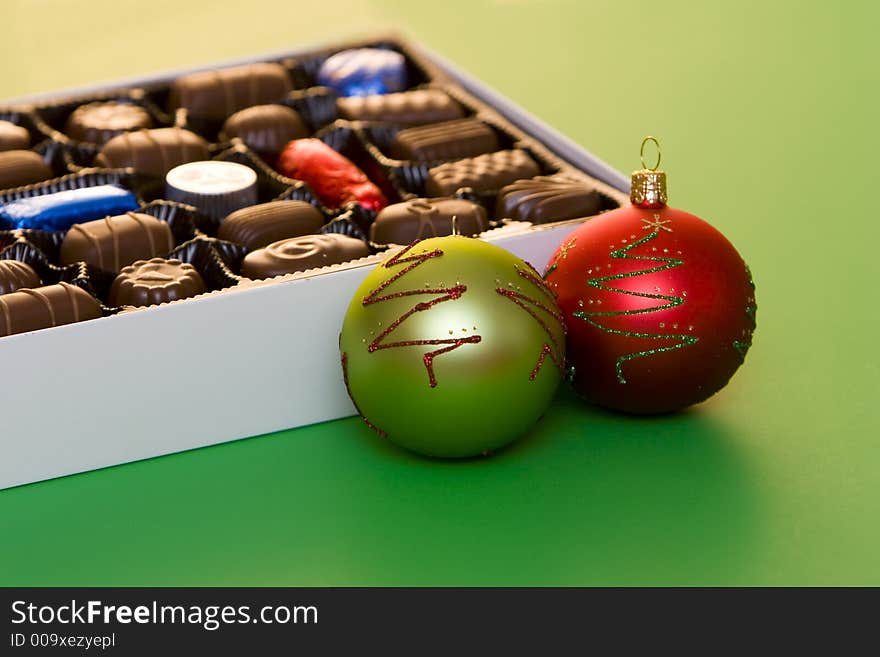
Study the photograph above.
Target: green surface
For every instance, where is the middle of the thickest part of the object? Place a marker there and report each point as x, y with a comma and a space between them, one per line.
766, 114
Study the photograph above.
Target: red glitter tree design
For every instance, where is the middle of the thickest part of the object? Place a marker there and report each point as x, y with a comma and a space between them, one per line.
442, 294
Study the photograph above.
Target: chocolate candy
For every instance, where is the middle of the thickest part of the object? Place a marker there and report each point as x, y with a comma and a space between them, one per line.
260, 225
217, 94
215, 188
114, 242
333, 177
19, 168
449, 140
99, 122
44, 307
548, 198
15, 275
265, 128
13, 137
301, 253
363, 72
407, 108
153, 152
419, 218
155, 281
59, 211
483, 173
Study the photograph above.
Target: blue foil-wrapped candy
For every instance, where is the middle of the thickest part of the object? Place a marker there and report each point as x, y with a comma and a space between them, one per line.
59, 211
364, 72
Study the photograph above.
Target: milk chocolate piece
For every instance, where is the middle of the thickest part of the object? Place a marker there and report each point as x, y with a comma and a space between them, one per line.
407, 107
260, 225
482, 174
13, 137
15, 275
449, 140
548, 198
265, 128
99, 122
153, 152
217, 94
19, 168
44, 307
301, 253
419, 218
155, 281
114, 242
59, 211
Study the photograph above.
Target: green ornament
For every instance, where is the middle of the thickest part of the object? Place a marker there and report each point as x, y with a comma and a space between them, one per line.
452, 347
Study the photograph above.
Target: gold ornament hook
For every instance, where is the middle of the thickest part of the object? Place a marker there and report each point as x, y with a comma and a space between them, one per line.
648, 187
647, 139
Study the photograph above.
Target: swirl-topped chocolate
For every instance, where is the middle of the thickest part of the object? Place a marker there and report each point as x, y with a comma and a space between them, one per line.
301, 253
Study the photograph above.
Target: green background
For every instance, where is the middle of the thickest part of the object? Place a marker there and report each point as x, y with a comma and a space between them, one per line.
766, 113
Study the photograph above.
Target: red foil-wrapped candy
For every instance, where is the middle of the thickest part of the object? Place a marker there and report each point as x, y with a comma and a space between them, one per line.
333, 177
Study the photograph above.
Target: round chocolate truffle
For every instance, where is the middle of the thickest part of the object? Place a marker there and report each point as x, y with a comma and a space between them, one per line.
15, 275
151, 282
13, 137
301, 253
98, 123
265, 128
260, 225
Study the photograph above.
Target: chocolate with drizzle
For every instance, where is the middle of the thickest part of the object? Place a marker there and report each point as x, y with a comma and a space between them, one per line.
114, 242
153, 152
15, 275
44, 307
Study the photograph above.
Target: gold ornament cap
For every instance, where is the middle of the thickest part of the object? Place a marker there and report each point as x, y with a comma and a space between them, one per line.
648, 188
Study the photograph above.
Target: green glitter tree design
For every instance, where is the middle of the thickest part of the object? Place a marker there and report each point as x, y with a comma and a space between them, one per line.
671, 301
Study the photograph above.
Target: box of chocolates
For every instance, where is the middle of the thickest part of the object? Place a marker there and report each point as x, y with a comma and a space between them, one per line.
176, 254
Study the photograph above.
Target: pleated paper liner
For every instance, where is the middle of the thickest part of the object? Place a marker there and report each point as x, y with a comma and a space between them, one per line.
341, 137
50, 120
28, 246
40, 249
85, 178
214, 259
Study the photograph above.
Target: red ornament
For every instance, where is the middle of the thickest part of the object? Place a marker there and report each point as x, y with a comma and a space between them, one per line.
659, 307
333, 177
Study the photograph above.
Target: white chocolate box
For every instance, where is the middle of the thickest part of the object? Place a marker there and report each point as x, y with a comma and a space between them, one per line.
282, 334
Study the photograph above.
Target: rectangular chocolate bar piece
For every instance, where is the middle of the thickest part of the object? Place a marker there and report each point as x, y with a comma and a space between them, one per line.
449, 140
484, 173
406, 107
